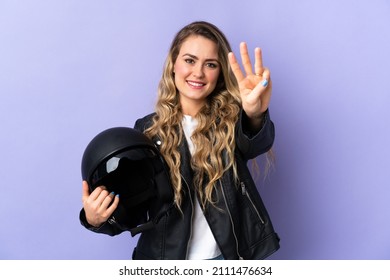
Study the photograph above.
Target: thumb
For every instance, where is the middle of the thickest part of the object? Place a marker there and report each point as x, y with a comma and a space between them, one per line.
265, 82
266, 77
85, 191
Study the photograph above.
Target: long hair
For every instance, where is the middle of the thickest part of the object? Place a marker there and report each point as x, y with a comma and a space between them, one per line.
214, 136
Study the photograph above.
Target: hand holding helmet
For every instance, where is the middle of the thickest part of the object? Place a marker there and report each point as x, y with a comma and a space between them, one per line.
99, 205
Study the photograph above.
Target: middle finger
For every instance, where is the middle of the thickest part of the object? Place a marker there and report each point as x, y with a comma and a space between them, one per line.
246, 62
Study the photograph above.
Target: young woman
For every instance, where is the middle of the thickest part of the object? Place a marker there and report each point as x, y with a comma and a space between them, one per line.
211, 118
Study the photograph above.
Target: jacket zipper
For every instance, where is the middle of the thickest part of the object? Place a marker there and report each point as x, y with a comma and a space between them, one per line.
244, 192
231, 219
192, 215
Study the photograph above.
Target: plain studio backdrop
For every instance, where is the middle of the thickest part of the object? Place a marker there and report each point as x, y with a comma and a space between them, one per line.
70, 69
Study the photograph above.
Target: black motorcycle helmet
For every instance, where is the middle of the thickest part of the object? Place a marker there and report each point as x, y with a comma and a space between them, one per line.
128, 163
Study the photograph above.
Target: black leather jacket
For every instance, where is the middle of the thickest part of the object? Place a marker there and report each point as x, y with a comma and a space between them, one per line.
240, 223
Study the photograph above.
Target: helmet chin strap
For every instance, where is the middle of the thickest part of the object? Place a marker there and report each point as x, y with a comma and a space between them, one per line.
165, 210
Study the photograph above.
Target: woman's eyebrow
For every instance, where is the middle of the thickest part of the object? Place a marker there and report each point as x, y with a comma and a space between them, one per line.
196, 58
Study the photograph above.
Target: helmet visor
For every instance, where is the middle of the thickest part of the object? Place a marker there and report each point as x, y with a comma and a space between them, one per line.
129, 173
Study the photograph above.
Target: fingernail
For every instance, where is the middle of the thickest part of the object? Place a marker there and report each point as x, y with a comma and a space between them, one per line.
112, 193
264, 83
117, 195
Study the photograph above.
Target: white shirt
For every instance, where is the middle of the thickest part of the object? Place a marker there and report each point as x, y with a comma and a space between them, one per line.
202, 244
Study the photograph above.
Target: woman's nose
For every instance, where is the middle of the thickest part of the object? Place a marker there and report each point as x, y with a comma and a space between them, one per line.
198, 71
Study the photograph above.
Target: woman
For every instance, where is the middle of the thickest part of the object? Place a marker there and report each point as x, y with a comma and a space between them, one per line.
210, 119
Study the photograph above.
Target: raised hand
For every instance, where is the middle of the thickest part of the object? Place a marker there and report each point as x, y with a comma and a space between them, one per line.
255, 85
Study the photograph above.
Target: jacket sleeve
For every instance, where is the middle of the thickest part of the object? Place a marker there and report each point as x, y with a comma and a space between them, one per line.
109, 227
254, 143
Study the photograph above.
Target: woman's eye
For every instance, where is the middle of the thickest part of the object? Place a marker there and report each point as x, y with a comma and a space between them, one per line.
212, 65
189, 61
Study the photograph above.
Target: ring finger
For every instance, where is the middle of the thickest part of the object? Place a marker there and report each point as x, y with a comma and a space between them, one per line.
259, 69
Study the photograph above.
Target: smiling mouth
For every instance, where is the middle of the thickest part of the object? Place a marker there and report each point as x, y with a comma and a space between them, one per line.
195, 84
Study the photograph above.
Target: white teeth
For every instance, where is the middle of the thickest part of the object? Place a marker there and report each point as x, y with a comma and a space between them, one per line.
195, 84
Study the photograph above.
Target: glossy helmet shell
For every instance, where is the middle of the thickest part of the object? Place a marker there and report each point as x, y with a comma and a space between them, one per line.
127, 163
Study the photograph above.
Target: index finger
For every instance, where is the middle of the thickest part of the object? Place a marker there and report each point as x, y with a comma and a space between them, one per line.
235, 67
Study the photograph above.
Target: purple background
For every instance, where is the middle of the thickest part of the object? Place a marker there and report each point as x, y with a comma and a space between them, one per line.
70, 69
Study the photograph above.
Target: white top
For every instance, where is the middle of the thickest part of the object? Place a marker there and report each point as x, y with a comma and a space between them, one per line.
202, 244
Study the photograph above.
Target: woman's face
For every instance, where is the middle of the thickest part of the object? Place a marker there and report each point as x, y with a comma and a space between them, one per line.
196, 72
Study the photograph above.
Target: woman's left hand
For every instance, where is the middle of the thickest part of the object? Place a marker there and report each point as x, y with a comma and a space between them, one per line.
255, 86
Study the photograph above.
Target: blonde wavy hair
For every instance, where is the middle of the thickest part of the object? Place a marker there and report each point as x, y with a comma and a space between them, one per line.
214, 136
